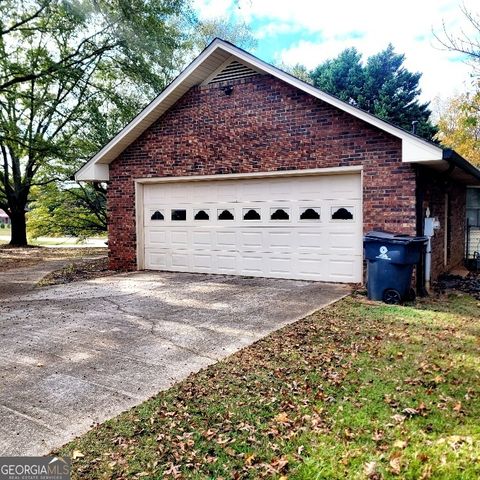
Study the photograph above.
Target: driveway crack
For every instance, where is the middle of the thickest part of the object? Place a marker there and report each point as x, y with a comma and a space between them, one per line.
151, 323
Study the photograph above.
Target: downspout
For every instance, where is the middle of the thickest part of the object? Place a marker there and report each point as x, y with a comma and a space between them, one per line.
430, 225
419, 198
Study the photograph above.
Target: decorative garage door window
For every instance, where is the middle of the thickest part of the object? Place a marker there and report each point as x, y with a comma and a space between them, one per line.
202, 215
179, 215
310, 214
342, 213
157, 216
279, 214
251, 214
225, 215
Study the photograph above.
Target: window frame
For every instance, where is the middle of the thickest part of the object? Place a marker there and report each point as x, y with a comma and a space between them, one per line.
204, 210
246, 210
172, 210
348, 208
274, 210
221, 210
304, 209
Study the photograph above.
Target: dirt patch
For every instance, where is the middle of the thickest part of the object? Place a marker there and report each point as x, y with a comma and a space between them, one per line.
455, 283
14, 257
77, 271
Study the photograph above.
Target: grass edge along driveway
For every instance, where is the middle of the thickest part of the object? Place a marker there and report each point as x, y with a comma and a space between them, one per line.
356, 390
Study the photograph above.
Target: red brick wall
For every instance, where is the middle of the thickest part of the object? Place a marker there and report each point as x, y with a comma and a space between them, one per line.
265, 125
434, 187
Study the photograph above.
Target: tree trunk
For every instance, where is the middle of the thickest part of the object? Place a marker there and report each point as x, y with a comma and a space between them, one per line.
19, 229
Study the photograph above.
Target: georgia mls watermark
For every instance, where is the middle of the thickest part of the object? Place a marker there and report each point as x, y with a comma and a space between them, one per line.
35, 468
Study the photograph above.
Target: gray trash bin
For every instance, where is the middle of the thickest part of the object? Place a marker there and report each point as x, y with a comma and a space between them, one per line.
390, 261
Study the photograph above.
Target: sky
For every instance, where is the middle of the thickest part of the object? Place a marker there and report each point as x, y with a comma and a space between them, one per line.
311, 31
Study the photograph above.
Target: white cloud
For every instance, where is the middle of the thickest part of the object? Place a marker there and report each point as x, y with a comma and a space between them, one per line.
408, 25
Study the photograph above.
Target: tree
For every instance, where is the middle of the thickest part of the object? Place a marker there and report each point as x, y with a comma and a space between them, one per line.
225, 28
467, 42
382, 86
459, 122
64, 211
298, 70
343, 77
61, 61
459, 126
68, 209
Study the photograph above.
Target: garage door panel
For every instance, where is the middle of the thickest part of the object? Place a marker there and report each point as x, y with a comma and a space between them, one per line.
179, 238
202, 239
281, 266
313, 240
315, 248
343, 242
251, 264
226, 240
156, 237
179, 260
312, 267
250, 240
280, 239
157, 259
227, 263
342, 269
203, 262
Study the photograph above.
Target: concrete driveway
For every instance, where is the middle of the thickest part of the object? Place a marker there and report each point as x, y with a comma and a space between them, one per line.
78, 354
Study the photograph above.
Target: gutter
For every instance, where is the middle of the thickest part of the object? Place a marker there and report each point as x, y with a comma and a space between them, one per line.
454, 159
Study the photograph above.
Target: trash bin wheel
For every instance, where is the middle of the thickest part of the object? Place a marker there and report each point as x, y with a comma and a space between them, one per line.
391, 296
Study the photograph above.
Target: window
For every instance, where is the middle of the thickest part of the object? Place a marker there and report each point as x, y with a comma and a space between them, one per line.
279, 214
251, 214
473, 207
310, 214
225, 215
157, 216
342, 213
202, 215
179, 215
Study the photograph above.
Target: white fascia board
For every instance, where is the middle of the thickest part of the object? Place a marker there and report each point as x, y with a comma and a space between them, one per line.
93, 172
417, 151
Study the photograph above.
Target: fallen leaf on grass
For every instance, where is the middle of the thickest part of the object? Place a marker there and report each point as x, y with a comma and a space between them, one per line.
370, 470
395, 465
400, 444
282, 418
398, 418
77, 454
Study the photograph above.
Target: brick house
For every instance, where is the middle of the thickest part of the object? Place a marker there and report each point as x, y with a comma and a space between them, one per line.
239, 168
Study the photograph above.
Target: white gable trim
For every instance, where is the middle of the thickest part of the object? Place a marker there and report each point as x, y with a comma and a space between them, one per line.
208, 62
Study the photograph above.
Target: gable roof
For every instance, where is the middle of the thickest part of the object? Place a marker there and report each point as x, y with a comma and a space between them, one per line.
207, 67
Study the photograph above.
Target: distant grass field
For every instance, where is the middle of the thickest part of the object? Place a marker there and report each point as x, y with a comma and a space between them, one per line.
55, 241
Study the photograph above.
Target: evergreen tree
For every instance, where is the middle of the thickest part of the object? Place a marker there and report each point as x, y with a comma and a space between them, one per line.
382, 86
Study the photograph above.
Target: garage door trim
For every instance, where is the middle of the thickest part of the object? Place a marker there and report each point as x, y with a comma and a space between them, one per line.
141, 182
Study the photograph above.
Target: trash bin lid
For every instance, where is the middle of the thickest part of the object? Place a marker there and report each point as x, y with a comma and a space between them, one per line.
393, 237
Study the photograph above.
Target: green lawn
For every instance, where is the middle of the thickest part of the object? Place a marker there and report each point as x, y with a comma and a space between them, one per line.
55, 241
358, 390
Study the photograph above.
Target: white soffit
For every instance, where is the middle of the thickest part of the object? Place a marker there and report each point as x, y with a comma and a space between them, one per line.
215, 57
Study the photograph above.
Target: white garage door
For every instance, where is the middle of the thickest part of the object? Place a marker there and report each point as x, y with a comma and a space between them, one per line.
287, 227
